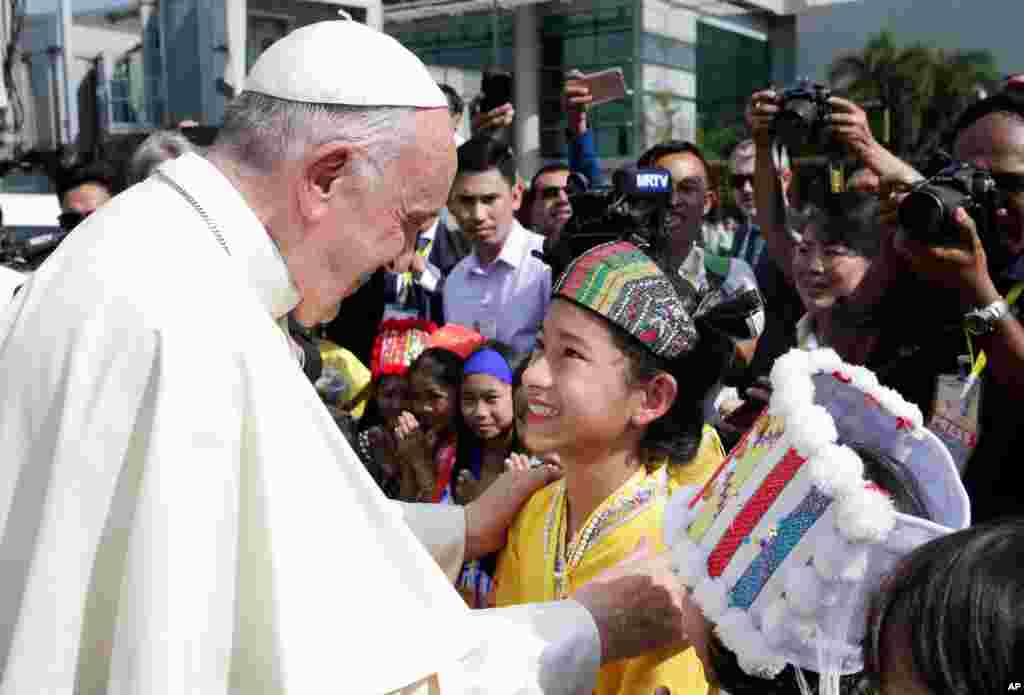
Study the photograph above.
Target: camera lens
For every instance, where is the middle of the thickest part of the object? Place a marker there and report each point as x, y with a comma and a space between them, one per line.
793, 124
920, 212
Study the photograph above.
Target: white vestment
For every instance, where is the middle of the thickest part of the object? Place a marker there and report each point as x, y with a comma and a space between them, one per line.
9, 281
180, 514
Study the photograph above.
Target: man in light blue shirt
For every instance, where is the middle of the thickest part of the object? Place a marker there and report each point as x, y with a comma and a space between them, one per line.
501, 289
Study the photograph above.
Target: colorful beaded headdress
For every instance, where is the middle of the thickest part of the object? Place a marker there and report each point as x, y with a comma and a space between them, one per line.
398, 343
621, 283
456, 338
785, 545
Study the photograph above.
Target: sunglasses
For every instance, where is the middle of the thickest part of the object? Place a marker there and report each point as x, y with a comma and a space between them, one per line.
741, 180
71, 219
552, 192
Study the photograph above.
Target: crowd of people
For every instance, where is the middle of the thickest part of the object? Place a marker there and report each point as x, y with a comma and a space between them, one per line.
457, 368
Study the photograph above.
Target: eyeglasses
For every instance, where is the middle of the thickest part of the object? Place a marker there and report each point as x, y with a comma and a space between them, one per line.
552, 192
830, 255
71, 219
741, 180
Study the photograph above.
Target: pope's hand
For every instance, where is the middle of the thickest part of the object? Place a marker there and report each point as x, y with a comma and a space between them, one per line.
489, 515
640, 606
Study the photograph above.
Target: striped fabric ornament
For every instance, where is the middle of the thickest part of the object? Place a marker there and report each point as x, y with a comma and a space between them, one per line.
621, 283
784, 547
397, 344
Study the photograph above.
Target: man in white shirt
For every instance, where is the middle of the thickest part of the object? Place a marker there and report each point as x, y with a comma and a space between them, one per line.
501, 289
178, 511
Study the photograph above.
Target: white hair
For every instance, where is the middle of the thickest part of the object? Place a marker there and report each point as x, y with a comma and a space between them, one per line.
154, 151
260, 131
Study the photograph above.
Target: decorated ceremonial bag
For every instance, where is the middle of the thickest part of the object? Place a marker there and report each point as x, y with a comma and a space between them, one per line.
785, 545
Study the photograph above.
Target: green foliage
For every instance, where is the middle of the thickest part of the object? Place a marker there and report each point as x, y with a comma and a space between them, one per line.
716, 143
924, 89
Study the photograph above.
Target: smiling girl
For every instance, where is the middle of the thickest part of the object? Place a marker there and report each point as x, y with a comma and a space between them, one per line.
486, 438
613, 388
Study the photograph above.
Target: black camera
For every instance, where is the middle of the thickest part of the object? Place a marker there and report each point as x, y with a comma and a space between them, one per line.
634, 208
927, 212
801, 119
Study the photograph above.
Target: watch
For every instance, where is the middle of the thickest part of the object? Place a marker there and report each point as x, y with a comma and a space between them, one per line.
982, 321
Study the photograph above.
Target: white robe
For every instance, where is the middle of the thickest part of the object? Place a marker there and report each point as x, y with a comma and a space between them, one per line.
9, 281
180, 514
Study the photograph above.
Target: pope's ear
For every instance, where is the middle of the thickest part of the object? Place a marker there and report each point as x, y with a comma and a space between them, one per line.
322, 172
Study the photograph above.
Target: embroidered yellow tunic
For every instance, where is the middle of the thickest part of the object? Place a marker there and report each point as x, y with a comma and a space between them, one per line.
540, 564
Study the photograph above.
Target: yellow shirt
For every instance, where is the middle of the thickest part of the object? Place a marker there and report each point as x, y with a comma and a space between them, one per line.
538, 564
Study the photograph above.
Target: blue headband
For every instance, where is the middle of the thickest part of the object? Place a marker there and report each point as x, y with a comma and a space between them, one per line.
488, 361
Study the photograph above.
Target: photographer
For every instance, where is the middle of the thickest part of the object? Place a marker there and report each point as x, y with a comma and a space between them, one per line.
916, 319
983, 270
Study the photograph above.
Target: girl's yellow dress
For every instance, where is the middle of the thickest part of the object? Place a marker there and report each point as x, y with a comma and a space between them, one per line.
540, 564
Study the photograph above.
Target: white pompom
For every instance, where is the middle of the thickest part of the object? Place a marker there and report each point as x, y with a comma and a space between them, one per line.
862, 377
736, 630
792, 388
734, 626
711, 597
688, 562
824, 360
796, 362
811, 429
837, 470
773, 622
865, 515
760, 660
803, 590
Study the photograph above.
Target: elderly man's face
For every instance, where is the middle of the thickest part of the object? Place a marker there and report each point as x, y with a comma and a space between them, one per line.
373, 218
996, 143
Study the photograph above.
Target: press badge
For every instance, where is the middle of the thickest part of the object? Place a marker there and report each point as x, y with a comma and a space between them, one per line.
956, 415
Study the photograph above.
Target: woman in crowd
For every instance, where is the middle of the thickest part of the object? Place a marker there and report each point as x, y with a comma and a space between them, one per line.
613, 388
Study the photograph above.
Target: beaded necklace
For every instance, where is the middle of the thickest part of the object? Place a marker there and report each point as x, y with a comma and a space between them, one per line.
615, 510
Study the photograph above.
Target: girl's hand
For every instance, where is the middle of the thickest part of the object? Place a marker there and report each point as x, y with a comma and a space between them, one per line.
383, 449
517, 462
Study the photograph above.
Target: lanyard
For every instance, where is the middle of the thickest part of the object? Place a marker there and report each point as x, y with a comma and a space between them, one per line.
978, 364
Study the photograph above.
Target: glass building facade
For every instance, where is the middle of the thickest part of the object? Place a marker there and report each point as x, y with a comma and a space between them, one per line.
686, 75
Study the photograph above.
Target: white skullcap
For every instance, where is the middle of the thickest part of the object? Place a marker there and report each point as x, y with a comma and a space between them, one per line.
346, 63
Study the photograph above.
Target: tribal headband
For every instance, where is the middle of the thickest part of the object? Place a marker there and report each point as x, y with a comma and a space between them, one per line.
488, 361
397, 344
621, 283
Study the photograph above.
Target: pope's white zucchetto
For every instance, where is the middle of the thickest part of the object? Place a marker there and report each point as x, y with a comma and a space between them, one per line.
345, 63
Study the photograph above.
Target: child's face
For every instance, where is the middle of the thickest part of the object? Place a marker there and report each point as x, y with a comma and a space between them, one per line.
577, 394
433, 403
487, 405
392, 391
